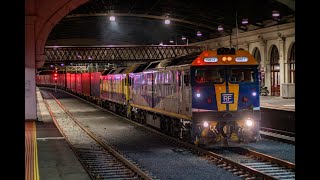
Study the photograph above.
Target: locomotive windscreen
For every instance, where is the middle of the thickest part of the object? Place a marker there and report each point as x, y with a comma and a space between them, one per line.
215, 75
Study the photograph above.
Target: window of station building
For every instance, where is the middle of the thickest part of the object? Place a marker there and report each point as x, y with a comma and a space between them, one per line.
238, 75
209, 75
274, 59
292, 65
275, 71
257, 56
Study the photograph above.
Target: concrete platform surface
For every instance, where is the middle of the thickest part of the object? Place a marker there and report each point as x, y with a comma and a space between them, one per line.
280, 103
56, 160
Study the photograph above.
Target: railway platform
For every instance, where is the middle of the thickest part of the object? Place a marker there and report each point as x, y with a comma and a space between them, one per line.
47, 154
279, 103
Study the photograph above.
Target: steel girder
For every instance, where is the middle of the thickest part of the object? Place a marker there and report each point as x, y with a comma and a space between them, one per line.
99, 54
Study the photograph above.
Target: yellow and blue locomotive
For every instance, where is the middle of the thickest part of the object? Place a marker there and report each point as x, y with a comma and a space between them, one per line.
200, 98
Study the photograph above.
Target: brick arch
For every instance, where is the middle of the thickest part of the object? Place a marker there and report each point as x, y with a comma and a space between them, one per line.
49, 24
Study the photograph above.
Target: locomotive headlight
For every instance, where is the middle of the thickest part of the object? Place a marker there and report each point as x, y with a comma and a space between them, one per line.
249, 122
254, 94
205, 124
198, 95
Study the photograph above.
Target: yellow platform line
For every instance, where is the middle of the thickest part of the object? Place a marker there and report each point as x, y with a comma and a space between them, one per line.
35, 159
31, 152
28, 154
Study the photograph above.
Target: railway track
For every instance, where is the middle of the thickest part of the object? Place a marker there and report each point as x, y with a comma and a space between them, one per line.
251, 164
245, 163
277, 135
99, 159
273, 167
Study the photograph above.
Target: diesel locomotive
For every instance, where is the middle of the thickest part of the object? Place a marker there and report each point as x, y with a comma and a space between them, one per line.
202, 98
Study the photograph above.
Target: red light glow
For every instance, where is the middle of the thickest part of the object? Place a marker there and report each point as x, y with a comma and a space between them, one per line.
198, 61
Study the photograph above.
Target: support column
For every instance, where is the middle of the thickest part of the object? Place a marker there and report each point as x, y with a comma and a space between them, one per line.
246, 46
40, 18
281, 61
265, 62
30, 70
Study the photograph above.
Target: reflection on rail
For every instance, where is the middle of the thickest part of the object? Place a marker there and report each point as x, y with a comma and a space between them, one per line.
279, 135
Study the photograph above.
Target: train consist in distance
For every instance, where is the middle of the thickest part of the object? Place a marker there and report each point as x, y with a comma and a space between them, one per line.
202, 98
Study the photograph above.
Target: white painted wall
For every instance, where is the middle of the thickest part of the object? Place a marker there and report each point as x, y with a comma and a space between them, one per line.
30, 73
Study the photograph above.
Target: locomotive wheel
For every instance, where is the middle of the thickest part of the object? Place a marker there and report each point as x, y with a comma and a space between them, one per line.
142, 117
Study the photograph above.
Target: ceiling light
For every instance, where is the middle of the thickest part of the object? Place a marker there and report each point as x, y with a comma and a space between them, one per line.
199, 33
171, 41
112, 18
161, 43
183, 38
245, 21
220, 28
167, 21
275, 14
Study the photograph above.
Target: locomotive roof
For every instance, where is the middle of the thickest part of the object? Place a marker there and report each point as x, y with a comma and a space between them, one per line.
225, 56
181, 60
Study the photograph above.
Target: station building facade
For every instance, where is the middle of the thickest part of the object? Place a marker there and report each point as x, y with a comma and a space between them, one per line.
274, 48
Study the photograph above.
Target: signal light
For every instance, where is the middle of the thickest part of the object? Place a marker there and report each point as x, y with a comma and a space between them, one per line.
55, 75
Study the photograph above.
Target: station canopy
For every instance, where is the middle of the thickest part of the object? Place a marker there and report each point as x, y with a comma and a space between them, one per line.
165, 22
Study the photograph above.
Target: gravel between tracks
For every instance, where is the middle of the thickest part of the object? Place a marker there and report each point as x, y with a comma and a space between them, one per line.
148, 150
